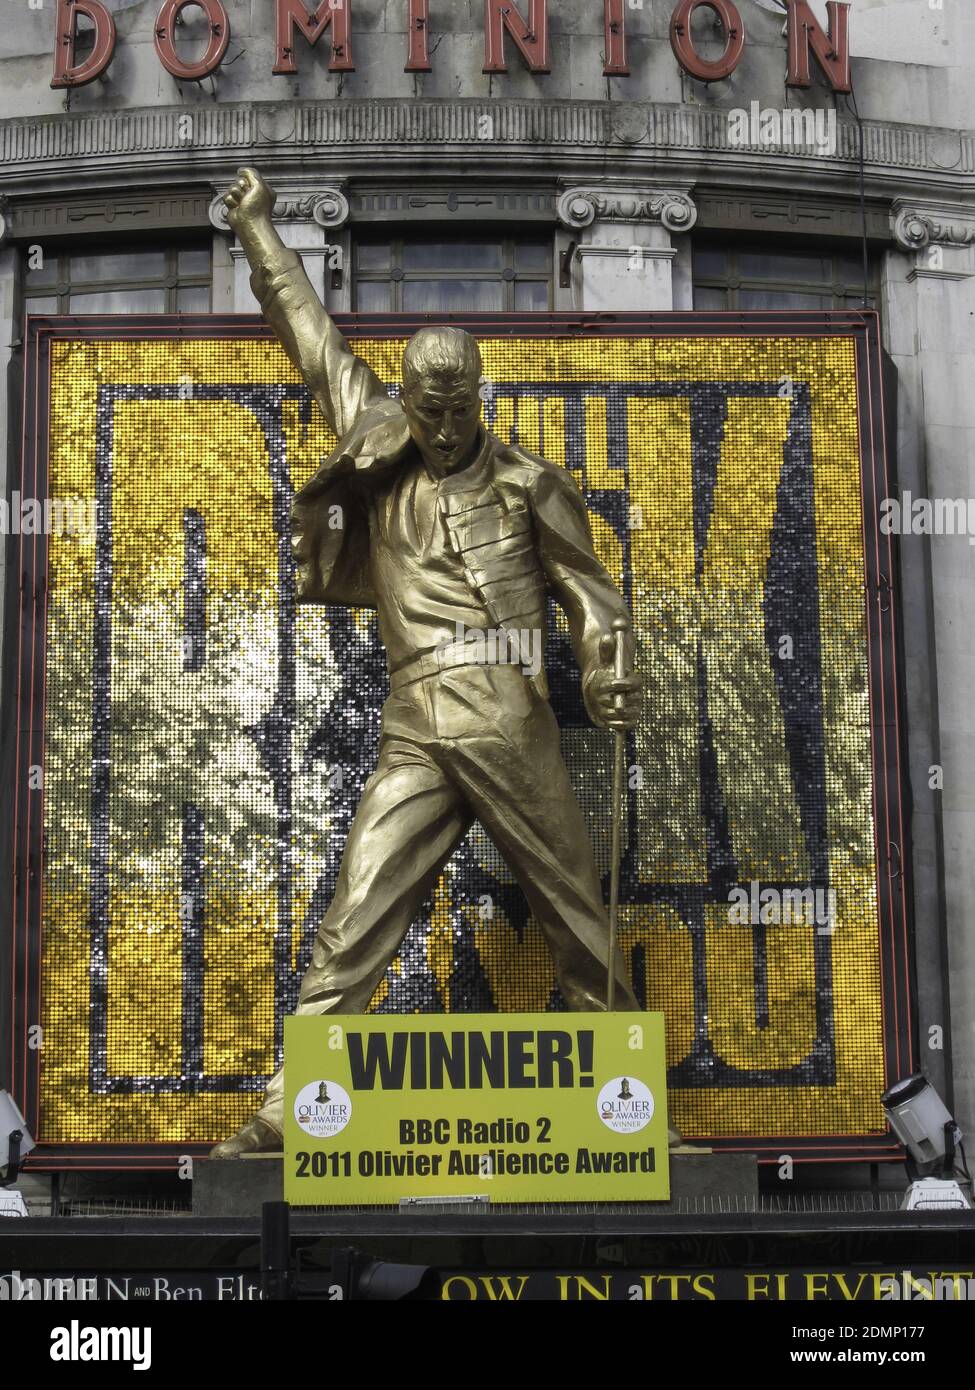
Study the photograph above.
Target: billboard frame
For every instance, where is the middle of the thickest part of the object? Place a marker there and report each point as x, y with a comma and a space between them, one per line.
24, 653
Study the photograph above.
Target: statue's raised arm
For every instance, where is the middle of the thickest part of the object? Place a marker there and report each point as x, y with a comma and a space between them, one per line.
341, 383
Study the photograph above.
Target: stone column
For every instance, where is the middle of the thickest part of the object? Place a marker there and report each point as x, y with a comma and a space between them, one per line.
619, 248
929, 291
312, 222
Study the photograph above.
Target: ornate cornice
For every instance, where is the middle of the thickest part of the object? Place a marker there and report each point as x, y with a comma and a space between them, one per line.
915, 226
579, 207
76, 211
60, 148
329, 207
765, 212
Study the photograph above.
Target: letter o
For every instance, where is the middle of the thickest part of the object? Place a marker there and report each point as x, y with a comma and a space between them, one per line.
683, 45
462, 1279
165, 38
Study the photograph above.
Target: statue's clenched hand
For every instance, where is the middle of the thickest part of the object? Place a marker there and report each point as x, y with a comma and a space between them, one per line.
613, 701
249, 199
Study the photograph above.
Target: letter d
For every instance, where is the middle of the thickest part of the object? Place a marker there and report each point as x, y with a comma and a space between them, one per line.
68, 73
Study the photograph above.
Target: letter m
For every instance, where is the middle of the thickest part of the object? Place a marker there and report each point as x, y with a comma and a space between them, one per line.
798, 907
950, 516
832, 49
292, 14
798, 127
531, 38
116, 1343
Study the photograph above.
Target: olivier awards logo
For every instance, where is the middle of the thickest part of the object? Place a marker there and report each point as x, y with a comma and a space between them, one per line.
323, 1109
625, 1105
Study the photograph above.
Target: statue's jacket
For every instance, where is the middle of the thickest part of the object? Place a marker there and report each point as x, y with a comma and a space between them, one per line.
517, 523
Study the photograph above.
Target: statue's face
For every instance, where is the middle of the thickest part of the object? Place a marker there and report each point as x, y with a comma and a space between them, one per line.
443, 417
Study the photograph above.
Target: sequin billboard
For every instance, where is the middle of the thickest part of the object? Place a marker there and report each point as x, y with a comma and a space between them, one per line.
203, 740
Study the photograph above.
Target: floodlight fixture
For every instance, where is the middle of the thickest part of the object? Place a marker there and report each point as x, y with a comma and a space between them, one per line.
922, 1122
15, 1137
927, 1129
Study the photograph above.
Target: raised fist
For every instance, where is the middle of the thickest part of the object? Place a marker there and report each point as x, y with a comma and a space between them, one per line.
249, 198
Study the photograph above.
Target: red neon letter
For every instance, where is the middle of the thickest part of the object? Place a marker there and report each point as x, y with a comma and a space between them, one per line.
66, 72
291, 15
683, 45
165, 39
832, 50
418, 25
615, 64
531, 38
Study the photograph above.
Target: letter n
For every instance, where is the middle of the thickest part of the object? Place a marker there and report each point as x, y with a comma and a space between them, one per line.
292, 14
418, 29
531, 38
614, 24
68, 73
832, 49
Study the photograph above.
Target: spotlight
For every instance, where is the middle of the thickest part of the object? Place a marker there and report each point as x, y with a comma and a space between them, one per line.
351, 1274
15, 1135
921, 1121
923, 1124
378, 1280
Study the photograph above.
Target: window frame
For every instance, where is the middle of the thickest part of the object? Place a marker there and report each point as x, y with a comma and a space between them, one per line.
396, 275
170, 281
841, 292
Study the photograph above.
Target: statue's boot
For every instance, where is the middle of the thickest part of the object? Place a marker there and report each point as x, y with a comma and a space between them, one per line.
256, 1137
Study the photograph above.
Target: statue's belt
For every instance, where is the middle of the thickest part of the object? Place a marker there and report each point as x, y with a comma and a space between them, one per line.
452, 654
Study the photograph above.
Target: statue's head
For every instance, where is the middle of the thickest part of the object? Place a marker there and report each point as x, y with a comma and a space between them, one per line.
441, 376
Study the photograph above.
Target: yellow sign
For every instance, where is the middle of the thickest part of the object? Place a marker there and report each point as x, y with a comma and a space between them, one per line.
520, 1108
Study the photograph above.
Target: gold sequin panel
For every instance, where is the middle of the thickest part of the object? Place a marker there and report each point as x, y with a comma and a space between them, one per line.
206, 743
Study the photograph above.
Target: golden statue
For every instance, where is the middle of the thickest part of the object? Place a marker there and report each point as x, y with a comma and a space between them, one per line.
456, 538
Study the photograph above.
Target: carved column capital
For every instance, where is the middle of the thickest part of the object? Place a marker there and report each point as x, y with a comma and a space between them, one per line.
329, 207
672, 208
916, 225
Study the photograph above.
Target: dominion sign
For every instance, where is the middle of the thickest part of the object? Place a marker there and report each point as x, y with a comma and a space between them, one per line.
191, 743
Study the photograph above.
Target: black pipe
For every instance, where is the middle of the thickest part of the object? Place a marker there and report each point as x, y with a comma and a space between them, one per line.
277, 1279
